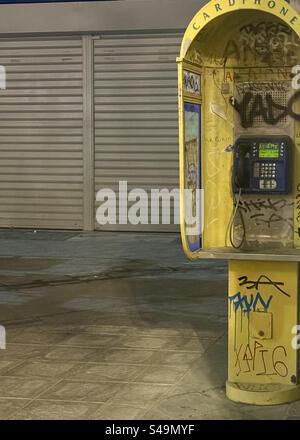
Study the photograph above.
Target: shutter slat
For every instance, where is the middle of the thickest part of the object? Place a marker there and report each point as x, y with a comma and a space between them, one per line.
136, 130
41, 133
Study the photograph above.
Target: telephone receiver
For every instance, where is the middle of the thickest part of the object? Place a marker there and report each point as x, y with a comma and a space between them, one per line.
242, 175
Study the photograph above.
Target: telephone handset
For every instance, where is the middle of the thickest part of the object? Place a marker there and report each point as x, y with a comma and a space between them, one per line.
262, 165
242, 178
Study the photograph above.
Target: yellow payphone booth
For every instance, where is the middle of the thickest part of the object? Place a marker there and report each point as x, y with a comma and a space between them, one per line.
239, 120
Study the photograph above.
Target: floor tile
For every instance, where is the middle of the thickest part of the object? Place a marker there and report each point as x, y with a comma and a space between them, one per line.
195, 405
293, 410
142, 342
140, 394
208, 371
70, 353
23, 387
55, 410
118, 412
122, 356
9, 406
173, 357
36, 337
164, 374
6, 366
162, 332
23, 351
91, 340
106, 372
82, 391
51, 369
189, 344
272, 412
106, 329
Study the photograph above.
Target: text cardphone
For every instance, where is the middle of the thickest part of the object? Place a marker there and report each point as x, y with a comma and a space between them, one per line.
262, 165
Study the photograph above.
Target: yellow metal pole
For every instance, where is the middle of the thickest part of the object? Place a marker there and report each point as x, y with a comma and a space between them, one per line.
262, 315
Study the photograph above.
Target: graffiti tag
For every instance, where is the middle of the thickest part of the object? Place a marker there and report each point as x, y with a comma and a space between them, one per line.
255, 105
251, 361
261, 280
249, 303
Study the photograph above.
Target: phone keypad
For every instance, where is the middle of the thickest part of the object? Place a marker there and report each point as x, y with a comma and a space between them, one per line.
267, 176
268, 170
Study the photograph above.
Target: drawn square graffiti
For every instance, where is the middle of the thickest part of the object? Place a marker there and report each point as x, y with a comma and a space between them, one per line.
191, 82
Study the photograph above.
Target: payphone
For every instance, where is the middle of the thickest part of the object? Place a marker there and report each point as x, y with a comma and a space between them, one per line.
262, 165
261, 172
247, 139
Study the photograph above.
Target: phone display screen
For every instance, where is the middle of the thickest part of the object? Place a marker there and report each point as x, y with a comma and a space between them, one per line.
268, 150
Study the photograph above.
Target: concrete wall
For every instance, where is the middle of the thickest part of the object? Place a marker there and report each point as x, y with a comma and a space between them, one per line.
95, 16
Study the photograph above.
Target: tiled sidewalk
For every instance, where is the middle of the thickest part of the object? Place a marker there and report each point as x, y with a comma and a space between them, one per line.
113, 326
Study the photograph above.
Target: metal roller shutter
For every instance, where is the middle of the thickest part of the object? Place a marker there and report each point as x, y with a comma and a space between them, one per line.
41, 133
136, 135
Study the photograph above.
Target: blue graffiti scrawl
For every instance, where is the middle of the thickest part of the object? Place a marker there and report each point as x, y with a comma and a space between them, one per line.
248, 303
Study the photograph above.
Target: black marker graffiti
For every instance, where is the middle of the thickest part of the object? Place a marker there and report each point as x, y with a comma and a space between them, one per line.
264, 204
254, 105
243, 281
268, 42
268, 211
261, 219
249, 75
247, 360
261, 87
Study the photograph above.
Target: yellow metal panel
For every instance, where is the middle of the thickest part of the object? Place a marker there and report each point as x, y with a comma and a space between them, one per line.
263, 309
216, 163
213, 10
261, 325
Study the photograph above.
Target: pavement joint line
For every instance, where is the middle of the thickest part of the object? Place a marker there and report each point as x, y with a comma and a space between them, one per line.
83, 400
96, 363
41, 344
88, 380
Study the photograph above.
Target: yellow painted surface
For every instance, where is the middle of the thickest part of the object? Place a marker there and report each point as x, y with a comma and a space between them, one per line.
216, 177
211, 44
213, 10
262, 394
262, 313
